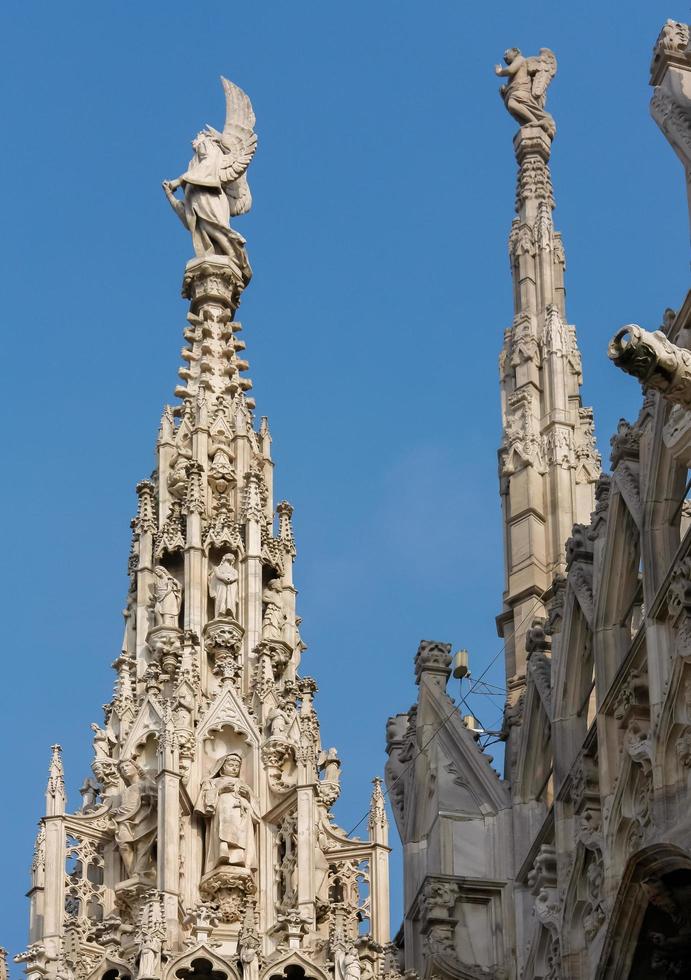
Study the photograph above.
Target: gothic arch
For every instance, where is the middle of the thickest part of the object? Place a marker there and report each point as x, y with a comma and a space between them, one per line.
647, 873
201, 963
109, 969
293, 966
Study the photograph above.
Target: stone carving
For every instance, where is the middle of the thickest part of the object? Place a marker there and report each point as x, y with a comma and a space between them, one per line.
330, 768
103, 744
559, 451
171, 537
674, 37
677, 434
167, 595
525, 93
249, 945
275, 618
625, 443
534, 179
223, 587
136, 820
215, 186
555, 338
278, 719
542, 881
522, 443
598, 519
151, 935
377, 809
347, 964
655, 361
225, 801
679, 594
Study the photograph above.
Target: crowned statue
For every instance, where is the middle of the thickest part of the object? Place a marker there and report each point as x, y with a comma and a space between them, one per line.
226, 802
525, 93
214, 185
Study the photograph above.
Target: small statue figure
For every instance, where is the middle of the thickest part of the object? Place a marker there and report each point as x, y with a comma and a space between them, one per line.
103, 744
226, 801
136, 819
167, 593
347, 964
525, 93
215, 186
223, 587
278, 720
330, 765
183, 708
274, 614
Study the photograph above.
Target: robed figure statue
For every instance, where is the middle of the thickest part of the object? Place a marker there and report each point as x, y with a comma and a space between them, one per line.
214, 185
226, 803
136, 819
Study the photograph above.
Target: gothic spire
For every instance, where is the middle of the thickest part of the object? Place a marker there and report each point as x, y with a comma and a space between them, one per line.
548, 460
212, 841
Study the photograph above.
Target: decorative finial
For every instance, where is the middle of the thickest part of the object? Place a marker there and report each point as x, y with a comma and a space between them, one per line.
55, 791
214, 185
525, 93
377, 812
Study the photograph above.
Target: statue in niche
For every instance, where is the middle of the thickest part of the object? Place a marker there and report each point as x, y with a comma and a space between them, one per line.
223, 587
274, 613
278, 720
525, 93
136, 819
226, 803
167, 593
214, 185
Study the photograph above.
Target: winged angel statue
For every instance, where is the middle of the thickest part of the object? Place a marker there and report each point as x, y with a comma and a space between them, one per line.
214, 185
525, 93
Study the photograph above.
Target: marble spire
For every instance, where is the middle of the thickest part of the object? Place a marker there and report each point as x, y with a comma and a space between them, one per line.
548, 462
206, 845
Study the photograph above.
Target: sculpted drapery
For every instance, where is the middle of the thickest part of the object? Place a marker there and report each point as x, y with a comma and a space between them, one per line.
226, 803
214, 185
136, 819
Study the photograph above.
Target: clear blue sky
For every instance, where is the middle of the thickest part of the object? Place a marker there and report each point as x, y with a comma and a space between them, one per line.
383, 191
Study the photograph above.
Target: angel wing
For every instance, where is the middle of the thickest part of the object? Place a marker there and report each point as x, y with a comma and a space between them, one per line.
238, 139
239, 196
543, 68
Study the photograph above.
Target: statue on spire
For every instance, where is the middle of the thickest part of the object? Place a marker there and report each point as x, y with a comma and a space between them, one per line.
525, 93
214, 185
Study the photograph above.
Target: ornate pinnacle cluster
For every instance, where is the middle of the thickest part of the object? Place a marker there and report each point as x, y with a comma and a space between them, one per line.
206, 837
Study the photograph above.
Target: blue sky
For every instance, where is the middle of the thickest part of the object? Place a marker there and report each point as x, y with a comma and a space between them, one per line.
383, 191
